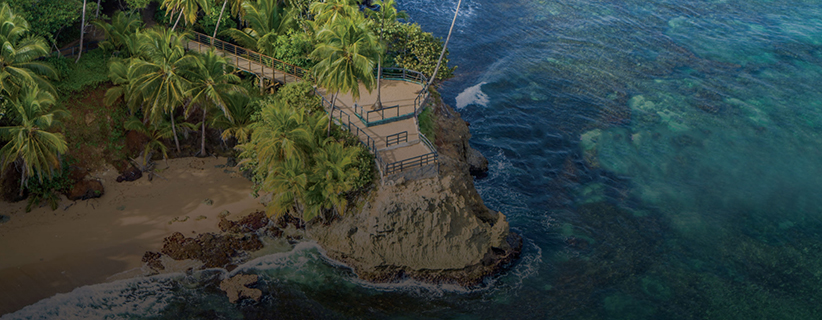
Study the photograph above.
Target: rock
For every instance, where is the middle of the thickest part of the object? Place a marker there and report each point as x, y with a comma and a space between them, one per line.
434, 230
478, 164
236, 287
85, 190
208, 202
5, 218
214, 250
152, 260
231, 162
249, 223
130, 174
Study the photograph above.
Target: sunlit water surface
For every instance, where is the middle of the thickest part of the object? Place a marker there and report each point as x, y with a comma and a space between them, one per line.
660, 158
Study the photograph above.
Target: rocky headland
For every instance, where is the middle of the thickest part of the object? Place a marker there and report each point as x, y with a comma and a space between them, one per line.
434, 229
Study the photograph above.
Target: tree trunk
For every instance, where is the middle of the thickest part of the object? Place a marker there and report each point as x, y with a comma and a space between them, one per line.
174, 131
331, 114
178, 20
23, 180
378, 104
218, 22
202, 143
97, 15
82, 32
444, 46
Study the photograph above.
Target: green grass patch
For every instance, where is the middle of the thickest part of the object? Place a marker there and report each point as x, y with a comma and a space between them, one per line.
428, 124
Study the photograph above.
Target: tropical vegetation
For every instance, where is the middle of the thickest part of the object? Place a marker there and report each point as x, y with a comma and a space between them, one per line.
142, 86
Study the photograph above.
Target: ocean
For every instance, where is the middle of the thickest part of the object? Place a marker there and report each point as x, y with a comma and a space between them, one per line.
662, 159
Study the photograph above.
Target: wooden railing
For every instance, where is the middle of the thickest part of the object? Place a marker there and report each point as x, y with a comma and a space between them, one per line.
378, 117
396, 138
264, 61
248, 60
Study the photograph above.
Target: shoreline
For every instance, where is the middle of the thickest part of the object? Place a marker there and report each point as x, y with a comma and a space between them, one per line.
99, 240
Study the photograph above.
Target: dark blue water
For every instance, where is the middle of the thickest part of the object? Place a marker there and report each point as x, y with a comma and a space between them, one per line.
662, 160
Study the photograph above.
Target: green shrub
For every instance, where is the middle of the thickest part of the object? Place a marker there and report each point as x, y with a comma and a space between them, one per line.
91, 70
411, 48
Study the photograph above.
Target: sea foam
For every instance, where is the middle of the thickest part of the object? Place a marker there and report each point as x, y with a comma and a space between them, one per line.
472, 95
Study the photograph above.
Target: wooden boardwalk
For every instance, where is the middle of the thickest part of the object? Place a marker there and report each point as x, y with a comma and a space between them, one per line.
391, 133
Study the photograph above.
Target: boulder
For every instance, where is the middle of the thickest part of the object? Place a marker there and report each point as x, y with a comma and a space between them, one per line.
236, 287
130, 174
477, 163
86, 189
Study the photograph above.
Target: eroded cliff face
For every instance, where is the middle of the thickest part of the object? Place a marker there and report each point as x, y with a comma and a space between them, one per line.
436, 229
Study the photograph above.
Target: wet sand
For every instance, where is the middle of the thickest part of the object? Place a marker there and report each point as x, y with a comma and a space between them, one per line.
45, 252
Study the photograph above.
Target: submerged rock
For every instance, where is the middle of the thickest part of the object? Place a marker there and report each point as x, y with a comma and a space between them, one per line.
236, 287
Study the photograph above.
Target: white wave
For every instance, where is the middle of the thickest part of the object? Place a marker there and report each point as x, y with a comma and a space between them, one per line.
122, 299
472, 95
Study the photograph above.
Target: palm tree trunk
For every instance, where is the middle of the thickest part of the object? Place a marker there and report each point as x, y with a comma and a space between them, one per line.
178, 20
202, 143
23, 180
174, 131
378, 105
218, 22
331, 114
82, 32
97, 15
444, 46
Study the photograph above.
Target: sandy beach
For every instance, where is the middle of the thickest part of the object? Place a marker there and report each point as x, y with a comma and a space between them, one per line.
45, 252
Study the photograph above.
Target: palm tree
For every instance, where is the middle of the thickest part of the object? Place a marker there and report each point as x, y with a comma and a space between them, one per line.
334, 175
387, 14
239, 126
236, 6
187, 8
82, 33
211, 85
120, 31
159, 80
282, 134
288, 181
444, 46
347, 54
29, 140
266, 20
18, 56
331, 11
155, 132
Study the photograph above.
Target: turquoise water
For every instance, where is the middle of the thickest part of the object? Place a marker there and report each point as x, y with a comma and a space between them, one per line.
660, 158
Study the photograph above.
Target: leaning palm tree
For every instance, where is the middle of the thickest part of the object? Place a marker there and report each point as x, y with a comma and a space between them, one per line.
159, 80
267, 19
30, 142
187, 8
210, 86
386, 14
444, 46
235, 9
347, 54
19, 54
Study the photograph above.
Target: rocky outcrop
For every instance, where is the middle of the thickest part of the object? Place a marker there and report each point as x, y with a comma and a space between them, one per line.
236, 287
86, 189
214, 250
435, 230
